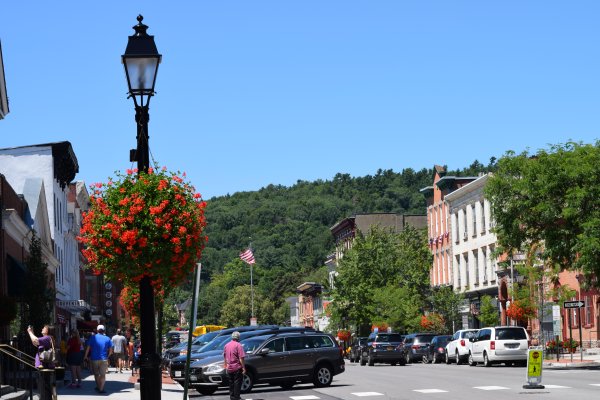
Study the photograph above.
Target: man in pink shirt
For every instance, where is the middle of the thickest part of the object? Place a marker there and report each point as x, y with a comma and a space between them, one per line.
233, 353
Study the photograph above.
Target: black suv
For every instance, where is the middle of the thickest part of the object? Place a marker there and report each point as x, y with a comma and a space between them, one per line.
282, 359
415, 346
383, 347
356, 348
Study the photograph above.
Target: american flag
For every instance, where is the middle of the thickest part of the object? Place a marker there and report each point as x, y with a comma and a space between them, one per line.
247, 256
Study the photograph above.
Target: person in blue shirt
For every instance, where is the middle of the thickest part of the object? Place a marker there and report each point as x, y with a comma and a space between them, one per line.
99, 349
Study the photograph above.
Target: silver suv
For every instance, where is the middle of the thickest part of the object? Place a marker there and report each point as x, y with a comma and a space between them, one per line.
500, 344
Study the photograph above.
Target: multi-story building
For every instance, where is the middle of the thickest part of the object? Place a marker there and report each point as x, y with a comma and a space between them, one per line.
311, 306
55, 165
474, 264
438, 223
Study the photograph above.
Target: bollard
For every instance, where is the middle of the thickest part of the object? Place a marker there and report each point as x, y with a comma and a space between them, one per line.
47, 384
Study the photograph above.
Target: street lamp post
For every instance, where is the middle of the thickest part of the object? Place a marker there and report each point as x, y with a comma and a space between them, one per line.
141, 61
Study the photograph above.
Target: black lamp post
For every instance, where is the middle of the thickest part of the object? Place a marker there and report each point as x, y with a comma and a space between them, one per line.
141, 61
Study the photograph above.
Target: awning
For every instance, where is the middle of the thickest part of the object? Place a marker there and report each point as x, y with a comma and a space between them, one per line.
73, 305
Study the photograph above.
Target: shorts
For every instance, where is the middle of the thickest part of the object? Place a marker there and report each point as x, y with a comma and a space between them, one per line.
120, 356
100, 367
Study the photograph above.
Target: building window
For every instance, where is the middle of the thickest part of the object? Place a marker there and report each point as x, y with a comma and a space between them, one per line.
465, 224
458, 271
476, 267
588, 312
482, 205
474, 220
484, 261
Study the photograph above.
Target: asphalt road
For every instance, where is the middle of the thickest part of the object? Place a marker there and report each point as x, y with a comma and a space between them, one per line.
435, 381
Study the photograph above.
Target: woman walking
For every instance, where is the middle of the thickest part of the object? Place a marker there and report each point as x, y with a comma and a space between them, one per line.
75, 358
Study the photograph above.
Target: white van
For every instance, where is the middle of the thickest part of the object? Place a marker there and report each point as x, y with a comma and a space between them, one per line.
500, 344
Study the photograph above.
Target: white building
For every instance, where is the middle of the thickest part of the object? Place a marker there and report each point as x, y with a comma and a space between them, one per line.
473, 243
56, 165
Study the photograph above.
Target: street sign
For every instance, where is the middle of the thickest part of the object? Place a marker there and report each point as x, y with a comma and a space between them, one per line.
535, 359
574, 304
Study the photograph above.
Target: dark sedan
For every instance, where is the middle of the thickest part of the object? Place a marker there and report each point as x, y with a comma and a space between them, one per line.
436, 352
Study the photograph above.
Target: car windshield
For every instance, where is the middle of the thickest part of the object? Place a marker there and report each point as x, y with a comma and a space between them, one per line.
391, 337
207, 337
510, 334
251, 344
443, 341
424, 338
214, 344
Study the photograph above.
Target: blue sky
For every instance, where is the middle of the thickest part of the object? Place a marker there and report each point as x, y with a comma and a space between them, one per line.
258, 92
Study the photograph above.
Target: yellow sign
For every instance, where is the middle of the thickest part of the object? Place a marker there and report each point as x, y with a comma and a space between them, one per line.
534, 364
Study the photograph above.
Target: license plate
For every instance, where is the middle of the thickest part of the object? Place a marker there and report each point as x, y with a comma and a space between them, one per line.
177, 374
512, 345
390, 348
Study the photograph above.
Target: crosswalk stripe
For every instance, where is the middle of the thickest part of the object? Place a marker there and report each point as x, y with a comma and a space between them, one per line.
595, 384
430, 391
310, 397
557, 387
366, 394
490, 387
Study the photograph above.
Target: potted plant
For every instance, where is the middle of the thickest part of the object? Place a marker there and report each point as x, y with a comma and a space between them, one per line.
570, 344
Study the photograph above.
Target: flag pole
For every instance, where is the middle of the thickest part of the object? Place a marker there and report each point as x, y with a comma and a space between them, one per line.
251, 284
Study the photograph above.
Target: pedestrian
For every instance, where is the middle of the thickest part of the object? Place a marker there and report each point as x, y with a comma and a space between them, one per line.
234, 355
130, 353
75, 358
119, 350
99, 348
42, 343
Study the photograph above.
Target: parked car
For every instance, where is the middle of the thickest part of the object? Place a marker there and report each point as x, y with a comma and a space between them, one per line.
457, 349
356, 348
415, 346
507, 344
202, 340
282, 359
436, 352
383, 347
215, 347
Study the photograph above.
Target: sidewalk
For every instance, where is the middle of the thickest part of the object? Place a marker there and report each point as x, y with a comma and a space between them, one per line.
590, 359
118, 386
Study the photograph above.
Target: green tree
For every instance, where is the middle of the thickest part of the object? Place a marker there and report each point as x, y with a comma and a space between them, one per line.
237, 309
447, 303
38, 294
488, 313
550, 197
381, 259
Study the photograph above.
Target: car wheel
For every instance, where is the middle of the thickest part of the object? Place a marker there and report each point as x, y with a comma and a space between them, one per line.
287, 385
371, 361
472, 363
323, 376
408, 358
425, 359
363, 362
351, 359
486, 360
394, 363
436, 359
448, 359
206, 390
458, 360
402, 361
247, 382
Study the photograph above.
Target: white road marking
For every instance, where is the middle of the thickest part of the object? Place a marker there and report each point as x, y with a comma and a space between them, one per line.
366, 394
430, 391
557, 387
595, 384
311, 397
491, 387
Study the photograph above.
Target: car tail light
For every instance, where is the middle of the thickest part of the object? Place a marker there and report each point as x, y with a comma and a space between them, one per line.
374, 345
183, 352
462, 342
415, 347
492, 345
440, 349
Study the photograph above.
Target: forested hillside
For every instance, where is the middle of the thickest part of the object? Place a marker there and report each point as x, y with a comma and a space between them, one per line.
288, 227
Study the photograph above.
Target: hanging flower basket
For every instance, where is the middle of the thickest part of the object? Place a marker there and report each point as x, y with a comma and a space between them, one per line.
343, 335
381, 327
519, 311
144, 225
129, 299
